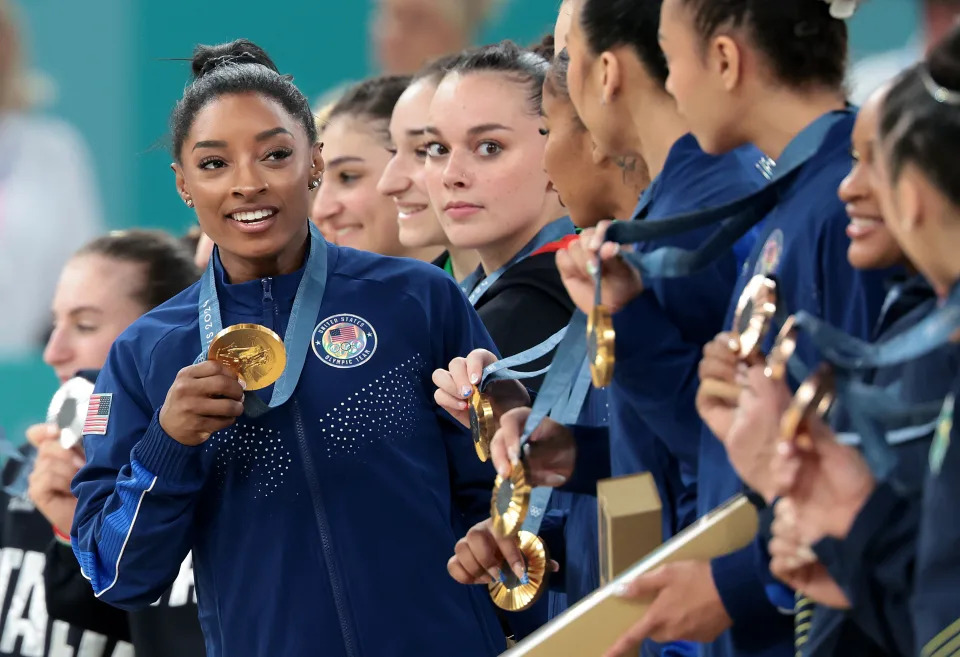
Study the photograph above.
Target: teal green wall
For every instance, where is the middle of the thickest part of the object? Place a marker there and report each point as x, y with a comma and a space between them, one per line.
107, 58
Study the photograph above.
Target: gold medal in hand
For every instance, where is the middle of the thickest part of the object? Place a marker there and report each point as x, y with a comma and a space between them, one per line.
253, 352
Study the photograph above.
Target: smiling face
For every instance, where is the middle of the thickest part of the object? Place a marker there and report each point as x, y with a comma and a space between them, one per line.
94, 302
484, 168
246, 164
404, 178
348, 205
872, 246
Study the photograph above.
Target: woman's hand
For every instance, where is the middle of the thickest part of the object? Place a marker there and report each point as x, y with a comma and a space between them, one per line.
49, 483
455, 385
203, 399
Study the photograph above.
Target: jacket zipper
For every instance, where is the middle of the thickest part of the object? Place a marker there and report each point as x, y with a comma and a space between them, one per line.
346, 623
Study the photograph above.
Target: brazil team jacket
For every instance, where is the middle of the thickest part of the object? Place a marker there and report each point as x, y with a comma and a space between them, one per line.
324, 526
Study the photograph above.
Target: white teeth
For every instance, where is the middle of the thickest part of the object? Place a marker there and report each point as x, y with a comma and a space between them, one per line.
340, 232
256, 215
860, 222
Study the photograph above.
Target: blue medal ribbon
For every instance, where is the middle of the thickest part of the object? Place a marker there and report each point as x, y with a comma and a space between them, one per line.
561, 398
738, 216
475, 285
296, 340
851, 353
502, 369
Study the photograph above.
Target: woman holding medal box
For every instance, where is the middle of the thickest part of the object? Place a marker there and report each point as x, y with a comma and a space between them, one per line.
285, 490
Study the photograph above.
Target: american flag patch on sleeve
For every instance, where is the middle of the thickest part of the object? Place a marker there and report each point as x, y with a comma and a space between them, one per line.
98, 414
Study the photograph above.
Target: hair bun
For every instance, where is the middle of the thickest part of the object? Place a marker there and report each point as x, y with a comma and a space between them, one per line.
546, 48
241, 51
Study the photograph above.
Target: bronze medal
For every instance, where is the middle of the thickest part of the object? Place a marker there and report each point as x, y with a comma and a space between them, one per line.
601, 342
813, 398
513, 594
482, 423
783, 350
754, 315
253, 352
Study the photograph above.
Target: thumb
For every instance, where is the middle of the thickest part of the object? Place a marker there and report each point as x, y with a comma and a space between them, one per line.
42, 433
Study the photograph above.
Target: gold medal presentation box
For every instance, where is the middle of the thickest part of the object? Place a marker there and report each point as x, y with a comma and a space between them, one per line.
593, 625
630, 519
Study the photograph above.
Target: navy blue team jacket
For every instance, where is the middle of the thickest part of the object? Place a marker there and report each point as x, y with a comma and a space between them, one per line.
803, 244
323, 527
660, 334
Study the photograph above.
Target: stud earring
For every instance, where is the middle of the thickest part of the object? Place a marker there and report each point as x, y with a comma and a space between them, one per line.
189, 202
315, 182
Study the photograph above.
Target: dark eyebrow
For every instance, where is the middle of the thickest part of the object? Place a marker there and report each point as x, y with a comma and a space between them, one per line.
266, 134
343, 160
219, 143
212, 143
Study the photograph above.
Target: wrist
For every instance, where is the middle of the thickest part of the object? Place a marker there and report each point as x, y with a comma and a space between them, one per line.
61, 536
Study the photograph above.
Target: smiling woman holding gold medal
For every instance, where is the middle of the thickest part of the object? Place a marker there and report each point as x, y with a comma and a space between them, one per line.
277, 417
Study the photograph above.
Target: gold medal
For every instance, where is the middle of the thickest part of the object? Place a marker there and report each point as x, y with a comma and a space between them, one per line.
511, 499
783, 350
514, 594
754, 315
601, 341
813, 398
253, 352
482, 423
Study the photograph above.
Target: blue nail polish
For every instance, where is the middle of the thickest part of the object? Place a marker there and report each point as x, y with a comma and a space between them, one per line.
525, 579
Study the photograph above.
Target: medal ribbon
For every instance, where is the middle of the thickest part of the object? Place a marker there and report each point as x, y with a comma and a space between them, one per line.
850, 353
502, 369
561, 398
296, 340
475, 285
739, 216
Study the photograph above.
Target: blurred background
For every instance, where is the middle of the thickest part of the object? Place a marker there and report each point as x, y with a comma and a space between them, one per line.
103, 76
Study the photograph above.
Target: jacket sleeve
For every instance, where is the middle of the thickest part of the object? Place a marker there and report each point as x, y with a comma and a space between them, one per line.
471, 480
136, 495
874, 566
70, 598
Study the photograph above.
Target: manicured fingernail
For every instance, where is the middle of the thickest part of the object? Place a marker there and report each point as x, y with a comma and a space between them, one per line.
554, 480
462, 406
733, 345
525, 579
520, 571
52, 430
474, 378
591, 267
243, 384
514, 454
596, 241
495, 574
465, 391
504, 472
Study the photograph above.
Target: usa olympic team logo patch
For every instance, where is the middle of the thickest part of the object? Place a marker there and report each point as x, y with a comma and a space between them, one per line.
344, 341
769, 258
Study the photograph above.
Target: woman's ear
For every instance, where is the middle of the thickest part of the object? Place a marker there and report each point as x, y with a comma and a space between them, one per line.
181, 184
725, 58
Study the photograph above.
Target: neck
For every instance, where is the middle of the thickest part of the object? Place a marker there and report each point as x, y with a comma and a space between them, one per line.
776, 121
289, 260
657, 126
463, 262
496, 255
